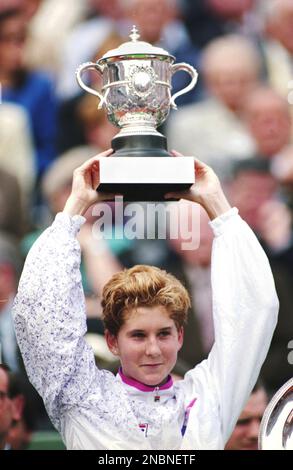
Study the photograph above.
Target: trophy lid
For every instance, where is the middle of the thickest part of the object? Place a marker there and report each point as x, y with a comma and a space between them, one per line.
136, 48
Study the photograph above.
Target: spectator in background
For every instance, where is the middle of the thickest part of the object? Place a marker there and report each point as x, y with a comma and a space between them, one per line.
9, 410
245, 434
21, 430
251, 187
10, 267
12, 219
268, 119
16, 149
32, 90
213, 130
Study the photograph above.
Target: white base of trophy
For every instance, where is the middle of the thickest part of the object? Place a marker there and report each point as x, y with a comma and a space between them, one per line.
145, 178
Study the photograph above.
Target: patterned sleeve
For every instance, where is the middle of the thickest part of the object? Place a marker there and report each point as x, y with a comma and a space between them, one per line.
50, 320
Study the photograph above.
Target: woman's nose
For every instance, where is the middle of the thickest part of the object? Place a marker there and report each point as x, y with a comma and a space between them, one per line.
152, 347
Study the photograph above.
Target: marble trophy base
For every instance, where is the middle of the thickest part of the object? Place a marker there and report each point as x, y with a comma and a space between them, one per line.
141, 169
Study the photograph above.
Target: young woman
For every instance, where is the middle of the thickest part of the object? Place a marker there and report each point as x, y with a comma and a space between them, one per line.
144, 310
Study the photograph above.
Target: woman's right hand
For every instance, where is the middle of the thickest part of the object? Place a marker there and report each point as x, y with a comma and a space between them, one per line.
86, 180
206, 191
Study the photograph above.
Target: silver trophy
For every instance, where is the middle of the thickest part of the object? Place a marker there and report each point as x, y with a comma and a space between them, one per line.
136, 93
276, 430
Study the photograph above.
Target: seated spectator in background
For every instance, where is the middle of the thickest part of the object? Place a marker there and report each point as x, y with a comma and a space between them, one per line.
9, 411
268, 119
213, 130
11, 216
10, 267
251, 187
16, 149
27, 401
246, 431
32, 90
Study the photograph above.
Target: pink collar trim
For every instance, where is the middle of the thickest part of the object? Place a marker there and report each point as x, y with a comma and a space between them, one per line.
142, 387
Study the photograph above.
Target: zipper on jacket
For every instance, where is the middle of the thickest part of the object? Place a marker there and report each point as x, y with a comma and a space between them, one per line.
157, 396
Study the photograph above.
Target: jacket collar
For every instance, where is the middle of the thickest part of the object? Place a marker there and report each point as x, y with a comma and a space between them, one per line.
136, 387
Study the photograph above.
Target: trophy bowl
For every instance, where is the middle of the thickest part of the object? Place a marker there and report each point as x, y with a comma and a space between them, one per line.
136, 94
276, 430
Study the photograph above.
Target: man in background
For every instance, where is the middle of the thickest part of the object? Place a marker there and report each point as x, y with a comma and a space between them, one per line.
245, 434
9, 409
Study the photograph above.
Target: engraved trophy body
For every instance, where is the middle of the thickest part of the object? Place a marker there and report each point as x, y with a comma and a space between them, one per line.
136, 94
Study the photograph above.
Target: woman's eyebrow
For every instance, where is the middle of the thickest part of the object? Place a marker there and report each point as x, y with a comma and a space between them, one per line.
135, 331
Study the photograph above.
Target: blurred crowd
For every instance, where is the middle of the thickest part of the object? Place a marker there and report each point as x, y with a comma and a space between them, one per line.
238, 119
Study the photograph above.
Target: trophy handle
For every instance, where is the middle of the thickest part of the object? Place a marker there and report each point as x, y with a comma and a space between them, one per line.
90, 66
192, 72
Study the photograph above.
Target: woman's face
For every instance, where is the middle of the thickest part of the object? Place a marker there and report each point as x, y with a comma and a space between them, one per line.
12, 42
147, 345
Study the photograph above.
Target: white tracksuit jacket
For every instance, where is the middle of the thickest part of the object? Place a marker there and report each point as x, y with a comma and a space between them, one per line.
92, 408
